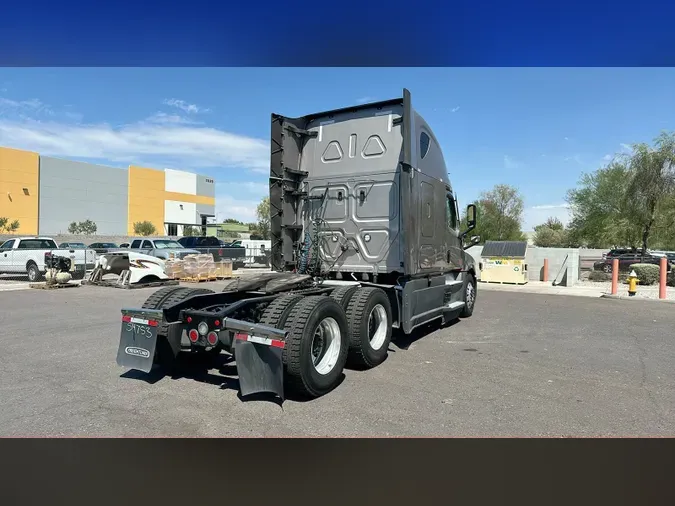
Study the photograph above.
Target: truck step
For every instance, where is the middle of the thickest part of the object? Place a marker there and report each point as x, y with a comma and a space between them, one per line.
459, 304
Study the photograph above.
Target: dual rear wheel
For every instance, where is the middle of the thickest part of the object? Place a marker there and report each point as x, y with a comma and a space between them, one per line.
352, 326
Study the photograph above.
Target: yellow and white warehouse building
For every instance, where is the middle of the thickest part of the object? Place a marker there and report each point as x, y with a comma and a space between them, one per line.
47, 194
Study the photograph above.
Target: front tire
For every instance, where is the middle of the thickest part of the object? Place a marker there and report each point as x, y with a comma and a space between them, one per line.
316, 347
369, 314
470, 293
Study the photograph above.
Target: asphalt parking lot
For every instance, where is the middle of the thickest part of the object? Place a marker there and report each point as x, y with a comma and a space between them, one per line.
523, 365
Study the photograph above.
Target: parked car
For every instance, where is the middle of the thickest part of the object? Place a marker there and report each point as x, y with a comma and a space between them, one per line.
161, 248
613, 253
124, 245
103, 247
27, 255
626, 260
235, 253
72, 245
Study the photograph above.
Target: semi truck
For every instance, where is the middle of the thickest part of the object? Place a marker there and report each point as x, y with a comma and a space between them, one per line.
365, 239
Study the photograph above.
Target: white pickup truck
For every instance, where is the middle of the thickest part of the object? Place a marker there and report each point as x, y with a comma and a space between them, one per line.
27, 255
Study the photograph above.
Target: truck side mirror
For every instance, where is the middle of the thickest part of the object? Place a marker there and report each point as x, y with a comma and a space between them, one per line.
470, 219
471, 216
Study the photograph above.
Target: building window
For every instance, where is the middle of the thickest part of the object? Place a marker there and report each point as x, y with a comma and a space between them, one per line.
172, 229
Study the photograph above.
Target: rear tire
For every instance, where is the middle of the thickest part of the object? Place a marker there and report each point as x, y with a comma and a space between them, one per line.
33, 272
316, 347
157, 298
370, 321
276, 314
166, 297
344, 294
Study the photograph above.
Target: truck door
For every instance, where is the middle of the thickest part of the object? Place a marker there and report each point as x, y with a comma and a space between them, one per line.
6, 256
146, 247
453, 242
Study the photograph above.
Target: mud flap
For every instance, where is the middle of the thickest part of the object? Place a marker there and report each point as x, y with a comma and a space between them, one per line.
260, 368
138, 340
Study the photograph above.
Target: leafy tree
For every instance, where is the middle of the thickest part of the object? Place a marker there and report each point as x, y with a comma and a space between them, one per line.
499, 214
262, 228
551, 234
651, 183
189, 231
144, 228
233, 220
600, 217
74, 228
87, 227
7, 226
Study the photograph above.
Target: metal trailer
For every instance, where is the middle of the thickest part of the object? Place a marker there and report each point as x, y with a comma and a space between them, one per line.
365, 239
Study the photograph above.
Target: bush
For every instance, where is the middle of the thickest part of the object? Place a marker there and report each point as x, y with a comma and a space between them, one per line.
599, 276
144, 228
670, 279
648, 274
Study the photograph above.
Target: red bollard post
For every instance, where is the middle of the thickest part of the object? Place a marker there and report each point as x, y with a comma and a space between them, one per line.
615, 276
545, 269
663, 276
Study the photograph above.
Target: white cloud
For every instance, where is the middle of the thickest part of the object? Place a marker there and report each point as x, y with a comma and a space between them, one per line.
33, 106
567, 138
162, 117
166, 143
626, 148
455, 109
608, 157
510, 163
184, 106
228, 206
536, 215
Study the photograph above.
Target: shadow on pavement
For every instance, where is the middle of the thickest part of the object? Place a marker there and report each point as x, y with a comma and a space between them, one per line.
403, 341
200, 367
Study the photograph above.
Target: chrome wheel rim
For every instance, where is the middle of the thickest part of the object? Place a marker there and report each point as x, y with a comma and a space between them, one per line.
377, 327
470, 294
326, 345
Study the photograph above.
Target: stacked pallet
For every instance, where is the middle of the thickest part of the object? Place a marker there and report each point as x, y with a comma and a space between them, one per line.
199, 268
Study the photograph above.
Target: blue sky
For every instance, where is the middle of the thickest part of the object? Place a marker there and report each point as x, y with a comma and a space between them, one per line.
535, 128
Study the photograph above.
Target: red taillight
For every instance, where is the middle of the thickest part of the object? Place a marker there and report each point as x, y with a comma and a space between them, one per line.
212, 338
189, 319
193, 335
217, 323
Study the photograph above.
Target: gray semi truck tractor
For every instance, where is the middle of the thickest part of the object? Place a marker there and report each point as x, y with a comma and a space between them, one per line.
366, 238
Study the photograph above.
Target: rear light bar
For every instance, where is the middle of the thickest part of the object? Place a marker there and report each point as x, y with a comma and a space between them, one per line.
275, 343
140, 321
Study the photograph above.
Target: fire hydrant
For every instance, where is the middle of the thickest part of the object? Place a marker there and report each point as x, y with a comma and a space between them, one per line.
632, 283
